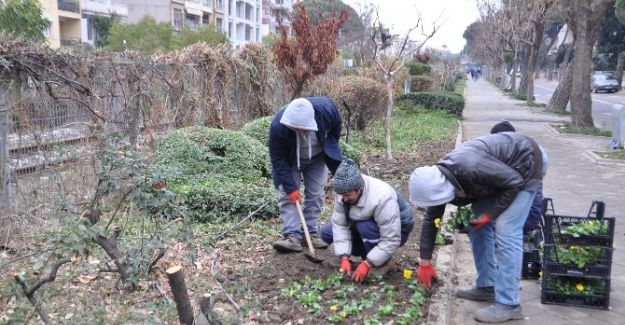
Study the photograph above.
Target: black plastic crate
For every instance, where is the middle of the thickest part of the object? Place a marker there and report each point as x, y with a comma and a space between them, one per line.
555, 227
532, 265
556, 261
599, 299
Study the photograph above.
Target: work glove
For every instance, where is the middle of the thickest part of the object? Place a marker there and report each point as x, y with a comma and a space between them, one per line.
295, 196
361, 272
346, 266
425, 274
480, 221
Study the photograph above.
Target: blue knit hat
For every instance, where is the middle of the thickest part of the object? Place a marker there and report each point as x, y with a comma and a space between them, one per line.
347, 177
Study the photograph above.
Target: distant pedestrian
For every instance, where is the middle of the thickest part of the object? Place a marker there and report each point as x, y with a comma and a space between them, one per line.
303, 144
500, 175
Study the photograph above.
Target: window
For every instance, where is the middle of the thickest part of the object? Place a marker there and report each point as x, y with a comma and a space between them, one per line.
219, 4
191, 21
178, 18
219, 22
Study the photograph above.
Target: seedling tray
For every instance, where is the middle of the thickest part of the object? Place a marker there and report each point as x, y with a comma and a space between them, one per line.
599, 299
554, 263
532, 265
556, 225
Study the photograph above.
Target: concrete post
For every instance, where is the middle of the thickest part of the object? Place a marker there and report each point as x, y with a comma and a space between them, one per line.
4, 151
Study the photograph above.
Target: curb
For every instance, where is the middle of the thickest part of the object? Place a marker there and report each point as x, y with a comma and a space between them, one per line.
595, 158
555, 132
440, 310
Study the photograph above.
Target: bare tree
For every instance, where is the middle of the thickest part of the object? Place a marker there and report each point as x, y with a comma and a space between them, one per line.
585, 17
389, 60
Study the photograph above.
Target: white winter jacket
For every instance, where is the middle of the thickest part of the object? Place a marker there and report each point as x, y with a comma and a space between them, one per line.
378, 202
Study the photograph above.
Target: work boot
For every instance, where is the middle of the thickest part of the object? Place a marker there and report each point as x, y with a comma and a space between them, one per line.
316, 242
477, 294
288, 244
498, 313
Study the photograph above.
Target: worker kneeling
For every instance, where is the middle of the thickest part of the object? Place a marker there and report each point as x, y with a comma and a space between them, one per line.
370, 220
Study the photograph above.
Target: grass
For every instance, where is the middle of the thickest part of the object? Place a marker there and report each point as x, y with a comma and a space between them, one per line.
619, 154
570, 129
460, 86
409, 130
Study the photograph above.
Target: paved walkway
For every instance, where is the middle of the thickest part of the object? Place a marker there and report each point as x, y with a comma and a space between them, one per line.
573, 182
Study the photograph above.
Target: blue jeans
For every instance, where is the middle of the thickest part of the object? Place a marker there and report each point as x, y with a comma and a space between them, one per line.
315, 174
365, 236
498, 248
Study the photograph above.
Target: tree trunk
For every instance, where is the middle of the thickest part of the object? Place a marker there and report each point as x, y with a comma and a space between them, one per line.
562, 94
181, 296
539, 30
620, 64
390, 80
525, 73
586, 28
514, 71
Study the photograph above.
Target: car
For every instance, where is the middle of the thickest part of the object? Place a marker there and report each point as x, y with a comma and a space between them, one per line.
604, 82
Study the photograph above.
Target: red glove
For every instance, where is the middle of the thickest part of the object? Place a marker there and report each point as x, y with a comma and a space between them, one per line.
295, 196
480, 222
425, 274
346, 266
361, 272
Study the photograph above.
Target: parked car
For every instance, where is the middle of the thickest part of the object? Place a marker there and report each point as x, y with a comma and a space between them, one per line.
604, 82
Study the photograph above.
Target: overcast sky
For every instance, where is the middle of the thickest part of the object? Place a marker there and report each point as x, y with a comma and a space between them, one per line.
400, 16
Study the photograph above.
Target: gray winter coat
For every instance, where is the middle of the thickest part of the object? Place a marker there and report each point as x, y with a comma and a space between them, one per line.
496, 166
378, 202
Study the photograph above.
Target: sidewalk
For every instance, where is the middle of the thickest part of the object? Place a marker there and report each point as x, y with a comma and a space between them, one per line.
573, 181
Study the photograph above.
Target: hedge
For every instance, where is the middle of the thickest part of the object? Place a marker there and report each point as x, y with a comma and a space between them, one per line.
435, 100
421, 83
416, 68
222, 174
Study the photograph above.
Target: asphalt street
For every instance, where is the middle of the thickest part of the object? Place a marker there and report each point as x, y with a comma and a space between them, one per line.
602, 103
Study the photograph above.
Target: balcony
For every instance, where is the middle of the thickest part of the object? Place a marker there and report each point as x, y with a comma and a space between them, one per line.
70, 41
69, 5
104, 7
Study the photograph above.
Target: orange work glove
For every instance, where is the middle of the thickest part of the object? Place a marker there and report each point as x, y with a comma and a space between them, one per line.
346, 266
295, 196
425, 274
480, 221
361, 272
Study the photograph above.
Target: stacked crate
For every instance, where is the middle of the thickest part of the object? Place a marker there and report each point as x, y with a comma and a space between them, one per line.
577, 259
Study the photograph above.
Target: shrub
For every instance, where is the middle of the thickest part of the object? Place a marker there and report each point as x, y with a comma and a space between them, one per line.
435, 100
421, 83
416, 68
223, 173
365, 97
350, 152
258, 129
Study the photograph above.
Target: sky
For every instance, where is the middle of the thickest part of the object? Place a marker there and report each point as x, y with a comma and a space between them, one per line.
400, 16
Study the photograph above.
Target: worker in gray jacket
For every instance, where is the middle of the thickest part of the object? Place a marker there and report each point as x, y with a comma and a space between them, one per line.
371, 220
505, 170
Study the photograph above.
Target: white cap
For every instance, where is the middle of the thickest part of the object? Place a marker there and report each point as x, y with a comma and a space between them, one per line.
429, 187
299, 114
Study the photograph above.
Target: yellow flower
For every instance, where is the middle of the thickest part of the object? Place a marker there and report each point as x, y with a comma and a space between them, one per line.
343, 314
407, 274
579, 287
540, 274
437, 222
334, 308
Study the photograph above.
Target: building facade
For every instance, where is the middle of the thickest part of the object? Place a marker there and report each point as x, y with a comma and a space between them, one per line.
269, 23
71, 21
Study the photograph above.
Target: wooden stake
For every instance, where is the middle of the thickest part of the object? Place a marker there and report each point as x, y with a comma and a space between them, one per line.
181, 297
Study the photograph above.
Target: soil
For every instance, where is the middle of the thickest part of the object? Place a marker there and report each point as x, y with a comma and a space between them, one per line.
266, 272
243, 264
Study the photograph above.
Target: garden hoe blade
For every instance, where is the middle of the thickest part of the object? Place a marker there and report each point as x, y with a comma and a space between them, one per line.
310, 256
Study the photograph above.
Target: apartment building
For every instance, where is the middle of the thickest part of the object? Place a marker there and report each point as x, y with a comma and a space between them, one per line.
71, 21
269, 23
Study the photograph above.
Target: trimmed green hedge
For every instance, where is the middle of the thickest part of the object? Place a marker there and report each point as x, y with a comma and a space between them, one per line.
416, 68
450, 102
420, 83
258, 129
223, 174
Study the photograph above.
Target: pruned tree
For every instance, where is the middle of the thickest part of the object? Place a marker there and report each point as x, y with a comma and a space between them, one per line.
390, 59
585, 17
23, 18
311, 51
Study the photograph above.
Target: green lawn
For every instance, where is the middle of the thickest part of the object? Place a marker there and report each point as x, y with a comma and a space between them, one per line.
568, 128
619, 154
409, 130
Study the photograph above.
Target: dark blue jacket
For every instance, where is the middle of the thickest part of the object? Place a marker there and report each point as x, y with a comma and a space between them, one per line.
282, 144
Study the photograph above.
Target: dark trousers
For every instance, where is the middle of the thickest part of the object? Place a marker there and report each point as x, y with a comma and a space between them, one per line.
365, 236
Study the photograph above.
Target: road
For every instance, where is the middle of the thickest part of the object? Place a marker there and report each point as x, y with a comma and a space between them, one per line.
601, 103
